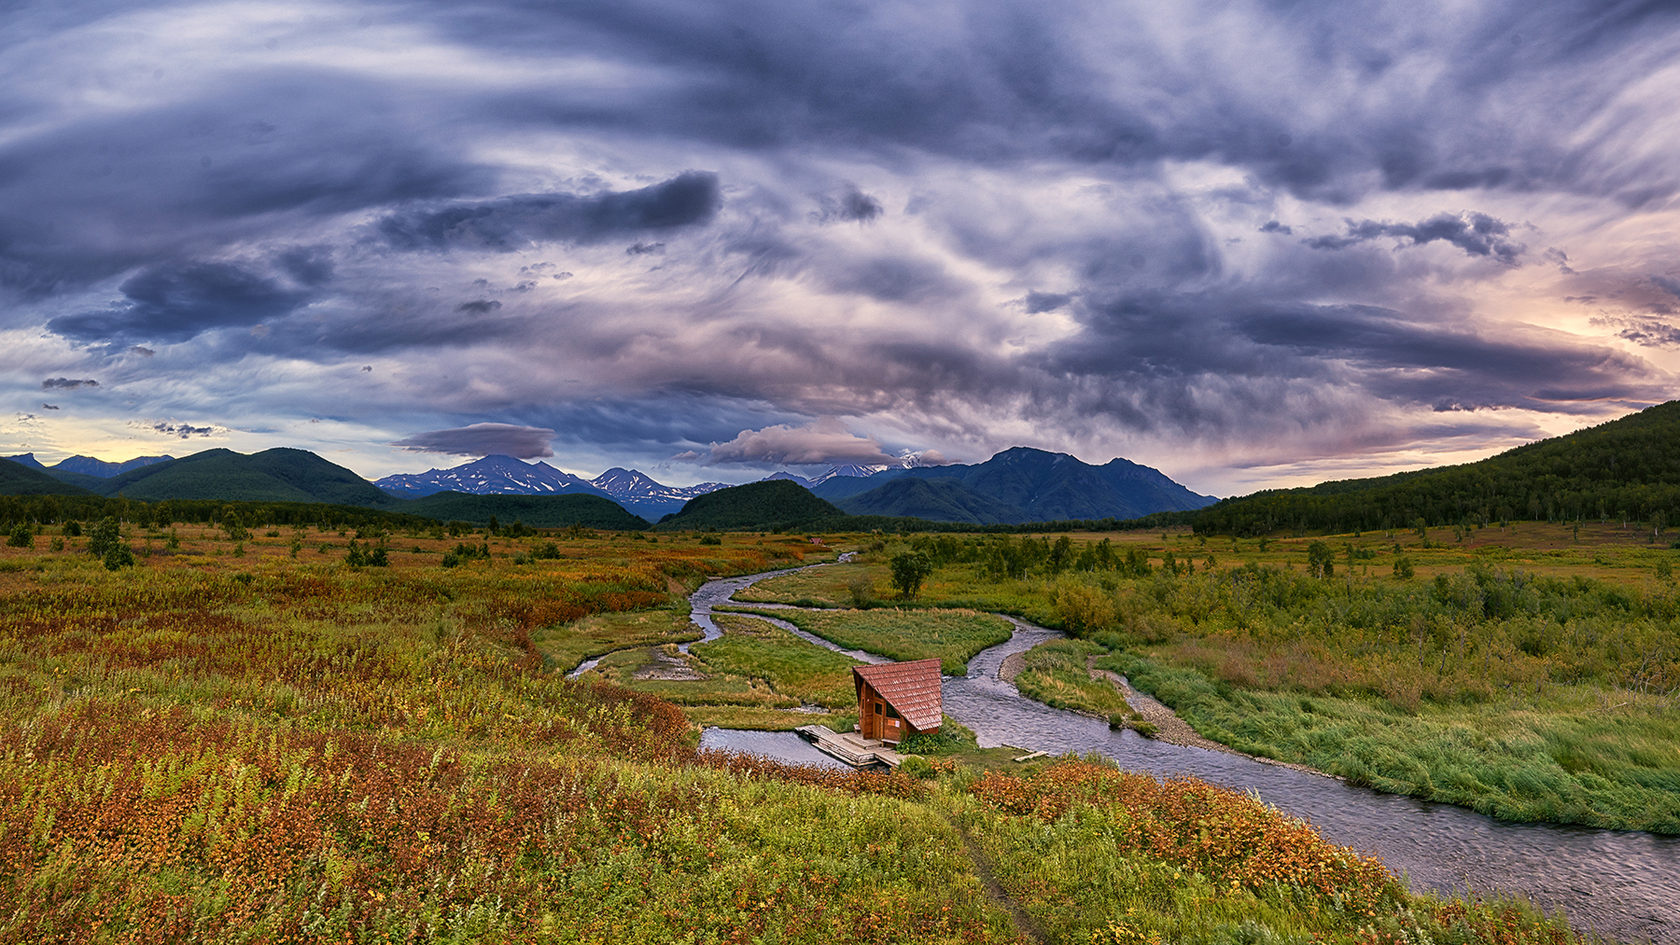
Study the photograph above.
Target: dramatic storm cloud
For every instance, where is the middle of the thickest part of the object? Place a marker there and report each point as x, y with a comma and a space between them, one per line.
1247, 243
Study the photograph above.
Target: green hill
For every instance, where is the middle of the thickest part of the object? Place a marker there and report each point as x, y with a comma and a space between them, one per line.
276, 475
537, 511
18, 479
772, 505
1627, 468
937, 500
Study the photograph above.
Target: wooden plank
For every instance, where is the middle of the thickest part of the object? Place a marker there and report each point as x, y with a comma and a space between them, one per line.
1029, 757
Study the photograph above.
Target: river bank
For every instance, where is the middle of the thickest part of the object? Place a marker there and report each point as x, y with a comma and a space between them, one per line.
1618, 883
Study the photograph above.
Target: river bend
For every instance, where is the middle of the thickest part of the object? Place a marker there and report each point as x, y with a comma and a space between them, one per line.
1622, 884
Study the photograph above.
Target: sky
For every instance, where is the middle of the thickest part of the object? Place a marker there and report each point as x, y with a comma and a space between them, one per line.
1251, 244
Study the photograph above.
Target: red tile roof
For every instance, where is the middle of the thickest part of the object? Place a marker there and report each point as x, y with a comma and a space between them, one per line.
911, 688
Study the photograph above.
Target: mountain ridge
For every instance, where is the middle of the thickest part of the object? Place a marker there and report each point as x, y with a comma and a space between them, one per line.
1023, 485
1627, 467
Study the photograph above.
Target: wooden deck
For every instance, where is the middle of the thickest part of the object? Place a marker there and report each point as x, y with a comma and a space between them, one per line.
850, 747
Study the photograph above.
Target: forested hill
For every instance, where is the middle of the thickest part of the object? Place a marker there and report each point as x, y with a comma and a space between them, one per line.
1627, 468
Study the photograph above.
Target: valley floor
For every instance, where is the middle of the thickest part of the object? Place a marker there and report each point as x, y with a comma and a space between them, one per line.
246, 737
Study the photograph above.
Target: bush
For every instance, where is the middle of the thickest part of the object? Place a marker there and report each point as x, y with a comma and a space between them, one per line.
917, 767
1084, 609
366, 556
1134, 721
861, 590
118, 555
951, 738
22, 536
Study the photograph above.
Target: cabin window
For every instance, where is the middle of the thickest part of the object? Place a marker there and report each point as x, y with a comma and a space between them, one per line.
892, 713
877, 708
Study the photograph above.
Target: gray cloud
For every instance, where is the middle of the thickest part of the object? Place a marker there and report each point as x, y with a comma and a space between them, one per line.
850, 206
1039, 302
113, 189
1476, 233
1139, 166
177, 301
183, 430
68, 383
483, 439
1644, 331
514, 222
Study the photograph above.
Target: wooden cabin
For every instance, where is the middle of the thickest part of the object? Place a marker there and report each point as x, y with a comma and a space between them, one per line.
897, 700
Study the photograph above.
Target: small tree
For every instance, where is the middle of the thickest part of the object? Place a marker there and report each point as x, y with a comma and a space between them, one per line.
104, 535
1321, 560
106, 544
22, 536
909, 570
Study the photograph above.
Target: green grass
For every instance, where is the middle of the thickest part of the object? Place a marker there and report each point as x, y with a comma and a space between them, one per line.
951, 636
1055, 674
754, 676
821, 587
567, 645
755, 649
621, 669
1564, 756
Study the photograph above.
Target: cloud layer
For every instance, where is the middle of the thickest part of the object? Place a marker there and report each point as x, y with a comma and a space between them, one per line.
1246, 243
483, 439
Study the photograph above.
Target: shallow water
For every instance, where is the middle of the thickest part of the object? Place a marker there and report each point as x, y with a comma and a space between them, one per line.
1621, 884
780, 746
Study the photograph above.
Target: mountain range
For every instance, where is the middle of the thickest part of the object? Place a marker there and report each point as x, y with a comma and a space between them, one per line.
637, 492
1016, 486
1627, 468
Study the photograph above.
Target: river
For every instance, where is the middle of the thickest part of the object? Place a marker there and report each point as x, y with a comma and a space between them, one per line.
1622, 884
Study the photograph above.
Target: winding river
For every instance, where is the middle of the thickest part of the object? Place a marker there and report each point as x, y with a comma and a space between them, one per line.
1622, 884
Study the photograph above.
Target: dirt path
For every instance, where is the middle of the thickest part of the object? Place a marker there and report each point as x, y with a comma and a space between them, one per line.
1173, 730
1025, 926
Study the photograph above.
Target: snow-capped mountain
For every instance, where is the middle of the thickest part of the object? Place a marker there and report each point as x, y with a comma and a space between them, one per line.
852, 469
638, 492
848, 470
619, 482
645, 496
492, 475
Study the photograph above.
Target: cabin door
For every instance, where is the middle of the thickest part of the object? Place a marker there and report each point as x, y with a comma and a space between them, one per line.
872, 713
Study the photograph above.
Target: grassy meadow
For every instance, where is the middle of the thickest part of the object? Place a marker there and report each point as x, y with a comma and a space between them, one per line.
252, 739
1530, 671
